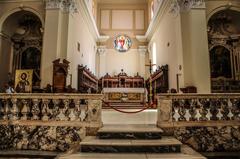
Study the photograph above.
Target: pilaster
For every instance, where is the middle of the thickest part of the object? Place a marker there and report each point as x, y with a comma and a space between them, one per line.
55, 38
142, 50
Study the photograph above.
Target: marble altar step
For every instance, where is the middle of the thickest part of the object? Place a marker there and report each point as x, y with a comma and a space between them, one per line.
187, 153
164, 145
129, 132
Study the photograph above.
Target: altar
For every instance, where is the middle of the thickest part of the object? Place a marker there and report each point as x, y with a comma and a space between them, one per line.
124, 95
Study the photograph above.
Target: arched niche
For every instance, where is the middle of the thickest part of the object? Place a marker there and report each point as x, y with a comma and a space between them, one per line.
224, 54
23, 33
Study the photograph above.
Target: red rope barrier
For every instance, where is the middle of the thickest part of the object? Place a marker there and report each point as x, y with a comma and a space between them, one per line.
128, 112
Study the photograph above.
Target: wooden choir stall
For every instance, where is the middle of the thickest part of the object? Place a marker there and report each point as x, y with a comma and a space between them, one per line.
159, 82
122, 80
87, 81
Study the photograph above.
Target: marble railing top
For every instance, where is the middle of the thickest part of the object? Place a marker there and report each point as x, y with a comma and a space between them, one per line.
196, 96
51, 96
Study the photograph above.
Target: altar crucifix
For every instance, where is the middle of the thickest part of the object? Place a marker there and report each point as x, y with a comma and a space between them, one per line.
150, 65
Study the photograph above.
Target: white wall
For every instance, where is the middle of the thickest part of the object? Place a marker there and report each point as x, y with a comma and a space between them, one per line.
115, 61
168, 41
115, 19
79, 33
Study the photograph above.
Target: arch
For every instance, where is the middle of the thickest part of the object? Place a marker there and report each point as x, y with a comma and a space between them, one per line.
7, 14
221, 8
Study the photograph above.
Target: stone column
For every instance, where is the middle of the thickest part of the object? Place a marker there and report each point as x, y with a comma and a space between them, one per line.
142, 50
102, 60
55, 37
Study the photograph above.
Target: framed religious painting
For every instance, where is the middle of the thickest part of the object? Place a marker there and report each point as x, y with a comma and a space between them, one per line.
23, 81
122, 43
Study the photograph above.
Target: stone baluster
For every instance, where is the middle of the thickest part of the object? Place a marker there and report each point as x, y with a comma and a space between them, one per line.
77, 109
5, 109
192, 110
73, 114
14, 110
45, 109
63, 111
235, 109
225, 109
204, 105
175, 107
55, 110
35, 109
25, 109
66, 109
1, 109
214, 109
84, 114
182, 110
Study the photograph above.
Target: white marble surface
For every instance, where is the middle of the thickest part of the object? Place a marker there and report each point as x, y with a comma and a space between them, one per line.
110, 116
91, 140
124, 90
130, 128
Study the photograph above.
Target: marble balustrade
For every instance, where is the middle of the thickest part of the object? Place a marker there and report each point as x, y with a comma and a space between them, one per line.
51, 107
49, 122
198, 108
206, 122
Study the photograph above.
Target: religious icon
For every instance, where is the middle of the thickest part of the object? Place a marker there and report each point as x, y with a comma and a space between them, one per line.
122, 43
23, 81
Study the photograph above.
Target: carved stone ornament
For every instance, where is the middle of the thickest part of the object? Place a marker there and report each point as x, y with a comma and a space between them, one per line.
101, 49
178, 6
64, 5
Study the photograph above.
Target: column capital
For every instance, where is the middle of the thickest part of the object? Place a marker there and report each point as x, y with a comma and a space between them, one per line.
178, 6
142, 50
64, 5
101, 50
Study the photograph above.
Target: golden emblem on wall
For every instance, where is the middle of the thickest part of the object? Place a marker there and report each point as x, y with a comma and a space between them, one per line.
23, 81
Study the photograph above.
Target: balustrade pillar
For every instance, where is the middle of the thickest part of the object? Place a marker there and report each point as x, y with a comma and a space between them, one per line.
45, 109
35, 109
14, 110
25, 109
77, 109
164, 111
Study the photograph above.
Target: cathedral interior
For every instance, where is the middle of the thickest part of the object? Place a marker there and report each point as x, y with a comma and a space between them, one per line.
113, 79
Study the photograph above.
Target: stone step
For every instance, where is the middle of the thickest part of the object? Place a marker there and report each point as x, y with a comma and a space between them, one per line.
164, 145
129, 156
187, 153
129, 132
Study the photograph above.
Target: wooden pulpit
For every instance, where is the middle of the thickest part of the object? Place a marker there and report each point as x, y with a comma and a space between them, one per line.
60, 72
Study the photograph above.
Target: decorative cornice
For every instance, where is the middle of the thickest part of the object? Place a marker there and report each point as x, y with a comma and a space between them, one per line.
178, 6
64, 5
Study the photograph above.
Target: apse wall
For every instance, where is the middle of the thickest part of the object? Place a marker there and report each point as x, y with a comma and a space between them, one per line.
121, 19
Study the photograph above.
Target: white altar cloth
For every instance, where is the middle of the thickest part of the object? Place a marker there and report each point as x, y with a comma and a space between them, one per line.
123, 90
